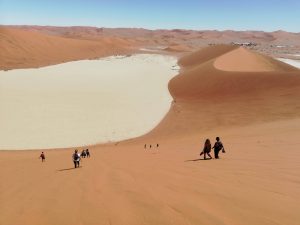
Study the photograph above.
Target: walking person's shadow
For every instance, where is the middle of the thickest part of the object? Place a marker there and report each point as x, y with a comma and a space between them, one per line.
72, 168
195, 160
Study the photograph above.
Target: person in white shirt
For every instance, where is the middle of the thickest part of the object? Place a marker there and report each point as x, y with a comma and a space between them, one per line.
76, 158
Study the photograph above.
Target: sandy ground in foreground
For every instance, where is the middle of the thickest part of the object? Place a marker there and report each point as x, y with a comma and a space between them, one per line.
256, 182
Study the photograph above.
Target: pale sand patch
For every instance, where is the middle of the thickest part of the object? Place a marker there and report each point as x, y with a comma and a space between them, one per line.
292, 62
297, 55
84, 102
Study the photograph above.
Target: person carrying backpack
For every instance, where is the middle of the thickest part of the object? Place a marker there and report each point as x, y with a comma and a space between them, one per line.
76, 158
218, 147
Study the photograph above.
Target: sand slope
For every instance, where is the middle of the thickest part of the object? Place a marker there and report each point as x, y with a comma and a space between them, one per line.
125, 184
177, 48
243, 60
25, 49
206, 97
256, 182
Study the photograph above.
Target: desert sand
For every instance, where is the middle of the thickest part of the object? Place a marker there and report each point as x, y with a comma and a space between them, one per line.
255, 112
255, 182
84, 102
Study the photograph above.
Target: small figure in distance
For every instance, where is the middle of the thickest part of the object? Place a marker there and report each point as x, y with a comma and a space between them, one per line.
150, 146
218, 147
157, 145
87, 153
76, 158
42, 156
145, 146
83, 154
206, 149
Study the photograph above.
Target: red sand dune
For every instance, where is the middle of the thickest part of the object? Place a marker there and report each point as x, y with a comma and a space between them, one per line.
23, 49
243, 60
257, 114
201, 78
178, 48
266, 41
206, 97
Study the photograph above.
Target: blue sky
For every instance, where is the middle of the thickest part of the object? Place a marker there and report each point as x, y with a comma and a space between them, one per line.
267, 15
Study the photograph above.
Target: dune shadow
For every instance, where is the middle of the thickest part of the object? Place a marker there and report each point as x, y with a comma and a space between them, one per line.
195, 160
68, 169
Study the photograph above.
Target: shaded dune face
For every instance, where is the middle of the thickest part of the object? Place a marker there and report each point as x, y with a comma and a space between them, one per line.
178, 48
197, 58
226, 86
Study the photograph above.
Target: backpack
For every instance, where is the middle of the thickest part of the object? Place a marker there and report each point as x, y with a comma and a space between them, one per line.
76, 157
218, 146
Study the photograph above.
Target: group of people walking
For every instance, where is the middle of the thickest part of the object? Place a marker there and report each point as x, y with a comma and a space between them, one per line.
151, 146
77, 156
218, 146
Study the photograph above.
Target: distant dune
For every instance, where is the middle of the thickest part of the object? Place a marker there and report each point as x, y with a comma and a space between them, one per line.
196, 58
178, 48
23, 49
211, 35
79, 42
242, 60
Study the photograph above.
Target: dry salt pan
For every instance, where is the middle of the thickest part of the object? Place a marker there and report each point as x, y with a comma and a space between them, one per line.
292, 62
84, 102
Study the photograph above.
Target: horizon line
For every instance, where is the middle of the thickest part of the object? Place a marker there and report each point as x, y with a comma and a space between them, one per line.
150, 29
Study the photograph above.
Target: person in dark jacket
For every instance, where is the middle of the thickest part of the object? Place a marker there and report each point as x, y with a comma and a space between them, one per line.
43, 157
218, 146
87, 153
83, 154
